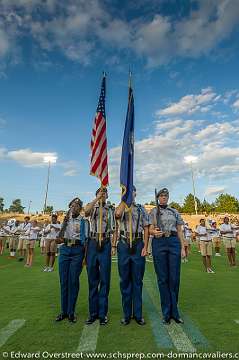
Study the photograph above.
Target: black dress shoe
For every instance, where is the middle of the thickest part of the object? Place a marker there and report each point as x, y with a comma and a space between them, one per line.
104, 321
91, 320
61, 317
140, 321
125, 321
178, 320
72, 319
166, 321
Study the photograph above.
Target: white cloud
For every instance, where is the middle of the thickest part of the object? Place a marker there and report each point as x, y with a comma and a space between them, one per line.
76, 28
216, 131
71, 168
190, 104
164, 125
229, 95
4, 43
28, 158
214, 190
161, 39
159, 158
116, 32
236, 104
70, 172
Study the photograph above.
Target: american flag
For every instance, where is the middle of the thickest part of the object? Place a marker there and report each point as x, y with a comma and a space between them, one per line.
99, 160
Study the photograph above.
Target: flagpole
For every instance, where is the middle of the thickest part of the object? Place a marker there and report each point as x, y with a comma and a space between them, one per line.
130, 209
130, 78
130, 228
100, 168
101, 205
101, 216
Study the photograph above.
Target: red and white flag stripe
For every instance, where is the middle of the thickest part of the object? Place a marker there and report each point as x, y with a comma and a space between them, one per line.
99, 159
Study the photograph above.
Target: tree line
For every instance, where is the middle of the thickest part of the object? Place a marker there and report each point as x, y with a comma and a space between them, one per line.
224, 203
16, 207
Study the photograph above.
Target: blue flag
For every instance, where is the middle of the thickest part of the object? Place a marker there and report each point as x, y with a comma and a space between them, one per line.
127, 156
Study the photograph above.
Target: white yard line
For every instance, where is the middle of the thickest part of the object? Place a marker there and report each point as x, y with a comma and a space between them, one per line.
237, 321
180, 339
89, 337
10, 329
175, 331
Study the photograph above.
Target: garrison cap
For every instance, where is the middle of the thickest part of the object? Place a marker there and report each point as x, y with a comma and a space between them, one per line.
104, 189
76, 201
163, 191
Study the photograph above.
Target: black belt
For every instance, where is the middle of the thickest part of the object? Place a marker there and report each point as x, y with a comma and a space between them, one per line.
132, 250
126, 240
68, 242
167, 234
100, 244
105, 237
138, 236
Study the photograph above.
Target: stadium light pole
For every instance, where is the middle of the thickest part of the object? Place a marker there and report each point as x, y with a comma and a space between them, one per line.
190, 159
49, 160
29, 207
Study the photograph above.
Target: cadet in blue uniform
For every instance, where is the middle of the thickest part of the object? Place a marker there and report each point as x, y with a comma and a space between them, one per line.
167, 248
73, 234
131, 261
98, 257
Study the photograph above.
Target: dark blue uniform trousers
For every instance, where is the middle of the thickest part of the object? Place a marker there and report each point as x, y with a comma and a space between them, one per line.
167, 260
131, 271
99, 272
70, 267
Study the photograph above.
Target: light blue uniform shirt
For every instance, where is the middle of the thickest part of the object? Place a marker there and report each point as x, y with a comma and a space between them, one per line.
169, 218
108, 219
143, 220
72, 231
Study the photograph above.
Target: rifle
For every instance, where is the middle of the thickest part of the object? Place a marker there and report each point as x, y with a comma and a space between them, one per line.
64, 225
66, 218
158, 210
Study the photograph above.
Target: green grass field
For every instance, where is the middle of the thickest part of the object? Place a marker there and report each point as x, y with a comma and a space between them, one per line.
209, 304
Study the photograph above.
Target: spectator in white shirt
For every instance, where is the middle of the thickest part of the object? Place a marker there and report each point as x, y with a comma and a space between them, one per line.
13, 238
214, 234
187, 234
4, 233
228, 237
23, 229
51, 231
205, 245
32, 234
43, 238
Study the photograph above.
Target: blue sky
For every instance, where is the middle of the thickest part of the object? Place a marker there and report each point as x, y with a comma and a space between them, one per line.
184, 58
